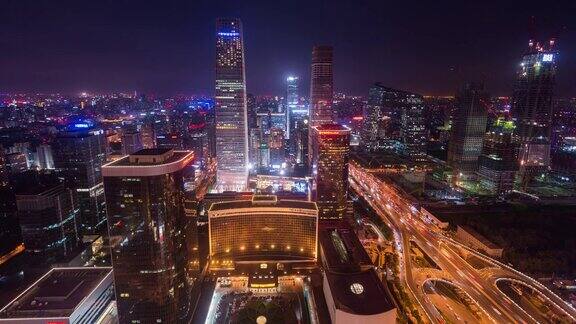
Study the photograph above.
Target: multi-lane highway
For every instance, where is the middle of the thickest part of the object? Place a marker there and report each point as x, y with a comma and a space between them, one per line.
396, 209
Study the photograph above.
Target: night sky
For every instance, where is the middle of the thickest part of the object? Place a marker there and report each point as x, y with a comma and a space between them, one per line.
167, 47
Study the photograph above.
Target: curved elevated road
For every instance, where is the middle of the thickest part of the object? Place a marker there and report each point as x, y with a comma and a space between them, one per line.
396, 209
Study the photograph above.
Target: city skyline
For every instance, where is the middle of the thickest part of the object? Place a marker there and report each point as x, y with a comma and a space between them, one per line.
85, 55
310, 205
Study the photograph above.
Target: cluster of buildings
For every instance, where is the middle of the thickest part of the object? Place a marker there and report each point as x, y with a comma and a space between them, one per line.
486, 141
179, 194
182, 190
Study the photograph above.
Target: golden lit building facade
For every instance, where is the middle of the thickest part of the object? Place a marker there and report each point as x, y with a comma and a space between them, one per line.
331, 152
263, 229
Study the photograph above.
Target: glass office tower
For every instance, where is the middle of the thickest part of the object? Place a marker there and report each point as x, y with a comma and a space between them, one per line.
321, 91
372, 117
331, 149
291, 102
231, 112
153, 241
321, 86
47, 216
532, 108
79, 153
468, 130
499, 160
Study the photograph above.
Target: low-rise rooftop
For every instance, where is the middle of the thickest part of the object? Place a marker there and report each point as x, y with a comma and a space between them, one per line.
341, 249
149, 157
56, 294
263, 201
360, 293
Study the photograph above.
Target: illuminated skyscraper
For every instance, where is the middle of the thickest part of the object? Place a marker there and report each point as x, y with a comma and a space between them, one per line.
79, 153
468, 130
45, 157
321, 92
47, 216
394, 114
298, 122
413, 134
532, 108
255, 142
499, 160
331, 150
291, 102
131, 141
276, 146
231, 112
372, 114
154, 242
321, 86
148, 135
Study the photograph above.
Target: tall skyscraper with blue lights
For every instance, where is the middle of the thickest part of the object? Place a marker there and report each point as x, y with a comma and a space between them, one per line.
231, 112
79, 153
291, 101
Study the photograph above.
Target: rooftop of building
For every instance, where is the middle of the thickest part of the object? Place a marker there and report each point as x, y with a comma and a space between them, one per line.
42, 189
332, 127
154, 156
296, 174
246, 195
152, 151
56, 294
380, 160
354, 285
341, 249
359, 293
387, 89
263, 201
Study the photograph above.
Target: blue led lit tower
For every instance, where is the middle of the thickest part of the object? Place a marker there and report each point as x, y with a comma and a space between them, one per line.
291, 101
79, 153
